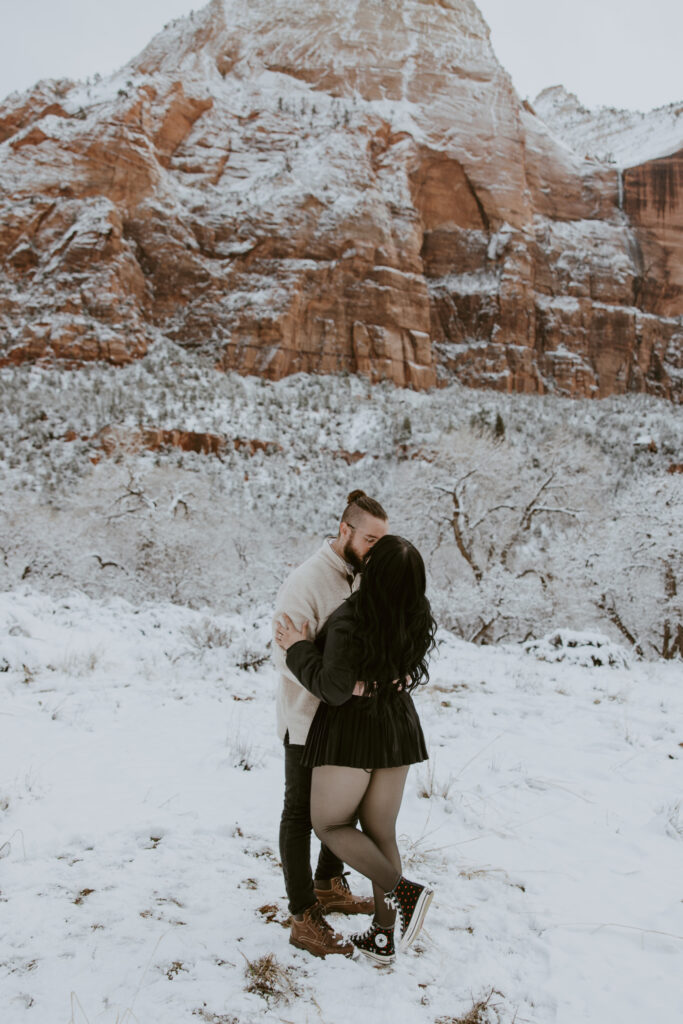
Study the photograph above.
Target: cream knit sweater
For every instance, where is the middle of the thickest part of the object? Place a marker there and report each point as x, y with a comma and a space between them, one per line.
311, 592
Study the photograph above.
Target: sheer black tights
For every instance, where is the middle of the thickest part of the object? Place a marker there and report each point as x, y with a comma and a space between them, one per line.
339, 796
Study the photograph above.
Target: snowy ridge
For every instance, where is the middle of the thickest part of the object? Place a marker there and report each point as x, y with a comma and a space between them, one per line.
624, 137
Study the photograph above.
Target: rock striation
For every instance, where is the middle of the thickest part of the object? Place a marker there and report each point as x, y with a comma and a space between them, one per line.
292, 187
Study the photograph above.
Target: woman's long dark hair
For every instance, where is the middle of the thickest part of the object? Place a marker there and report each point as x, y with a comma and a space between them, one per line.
394, 626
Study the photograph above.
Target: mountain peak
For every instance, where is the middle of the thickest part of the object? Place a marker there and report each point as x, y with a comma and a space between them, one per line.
623, 137
286, 186
182, 39
354, 43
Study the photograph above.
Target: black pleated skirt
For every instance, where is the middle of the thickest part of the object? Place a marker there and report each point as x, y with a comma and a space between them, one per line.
352, 736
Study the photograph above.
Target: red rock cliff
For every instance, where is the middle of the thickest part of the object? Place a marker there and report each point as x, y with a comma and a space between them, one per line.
328, 187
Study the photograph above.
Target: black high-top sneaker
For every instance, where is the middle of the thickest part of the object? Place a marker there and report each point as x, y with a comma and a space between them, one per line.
376, 943
411, 900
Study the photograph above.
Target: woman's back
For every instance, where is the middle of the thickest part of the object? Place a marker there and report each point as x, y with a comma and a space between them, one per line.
394, 628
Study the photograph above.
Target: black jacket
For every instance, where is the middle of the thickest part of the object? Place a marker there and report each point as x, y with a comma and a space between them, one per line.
328, 666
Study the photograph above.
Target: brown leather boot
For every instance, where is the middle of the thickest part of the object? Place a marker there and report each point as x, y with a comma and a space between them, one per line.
314, 934
339, 899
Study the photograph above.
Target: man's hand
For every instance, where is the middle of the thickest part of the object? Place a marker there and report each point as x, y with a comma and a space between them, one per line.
360, 689
287, 634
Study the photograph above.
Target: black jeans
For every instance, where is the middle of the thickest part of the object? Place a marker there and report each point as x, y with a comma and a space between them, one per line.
295, 835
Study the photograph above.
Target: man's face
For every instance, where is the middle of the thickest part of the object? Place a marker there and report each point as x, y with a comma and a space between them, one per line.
357, 540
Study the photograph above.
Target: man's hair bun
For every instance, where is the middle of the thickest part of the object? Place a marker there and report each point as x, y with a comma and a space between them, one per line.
358, 501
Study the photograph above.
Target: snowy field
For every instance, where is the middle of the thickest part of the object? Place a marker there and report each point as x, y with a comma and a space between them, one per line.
140, 789
140, 775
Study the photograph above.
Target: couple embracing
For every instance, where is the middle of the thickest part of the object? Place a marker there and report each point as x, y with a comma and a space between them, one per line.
353, 629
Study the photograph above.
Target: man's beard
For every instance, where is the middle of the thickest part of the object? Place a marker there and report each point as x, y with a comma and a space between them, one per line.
353, 558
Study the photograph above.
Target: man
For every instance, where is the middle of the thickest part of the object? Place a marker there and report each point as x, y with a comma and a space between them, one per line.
311, 593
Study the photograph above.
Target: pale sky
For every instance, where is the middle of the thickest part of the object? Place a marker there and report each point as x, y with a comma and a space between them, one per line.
618, 53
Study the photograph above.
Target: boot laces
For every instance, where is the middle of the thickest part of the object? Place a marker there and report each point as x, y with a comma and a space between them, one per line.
320, 920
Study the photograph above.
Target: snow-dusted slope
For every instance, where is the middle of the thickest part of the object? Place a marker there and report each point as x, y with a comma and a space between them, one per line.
569, 511
624, 137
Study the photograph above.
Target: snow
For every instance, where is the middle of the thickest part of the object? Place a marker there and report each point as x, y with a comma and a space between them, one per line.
67, 504
624, 137
475, 283
564, 303
140, 775
140, 791
585, 648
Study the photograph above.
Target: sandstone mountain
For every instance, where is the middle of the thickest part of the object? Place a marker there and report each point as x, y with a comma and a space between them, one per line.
287, 186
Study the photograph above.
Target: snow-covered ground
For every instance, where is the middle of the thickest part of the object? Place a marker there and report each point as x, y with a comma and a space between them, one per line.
140, 790
140, 775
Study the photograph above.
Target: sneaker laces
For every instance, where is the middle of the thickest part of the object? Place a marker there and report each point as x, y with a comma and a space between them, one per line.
369, 931
393, 903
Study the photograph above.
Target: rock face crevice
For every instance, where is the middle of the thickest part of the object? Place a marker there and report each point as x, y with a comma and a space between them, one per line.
653, 202
292, 187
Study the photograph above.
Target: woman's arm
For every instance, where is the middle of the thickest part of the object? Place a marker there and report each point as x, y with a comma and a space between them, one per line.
330, 676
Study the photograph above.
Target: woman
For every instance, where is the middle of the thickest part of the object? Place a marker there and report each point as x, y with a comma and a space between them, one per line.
365, 735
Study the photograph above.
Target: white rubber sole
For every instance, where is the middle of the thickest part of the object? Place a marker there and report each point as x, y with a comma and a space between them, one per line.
417, 920
380, 961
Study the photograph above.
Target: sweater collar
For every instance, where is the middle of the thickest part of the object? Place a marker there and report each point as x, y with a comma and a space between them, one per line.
342, 566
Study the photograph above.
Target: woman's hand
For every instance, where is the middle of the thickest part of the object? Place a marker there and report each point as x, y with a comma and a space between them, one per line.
287, 634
